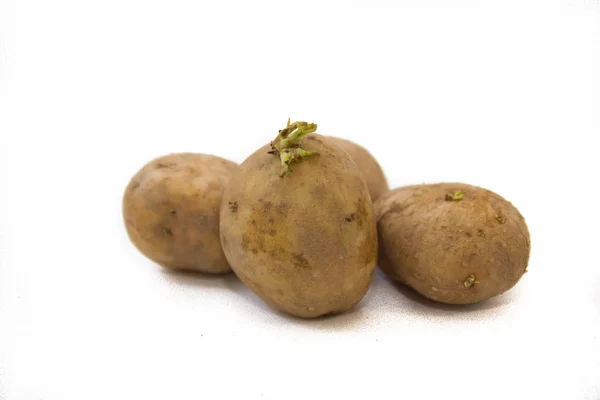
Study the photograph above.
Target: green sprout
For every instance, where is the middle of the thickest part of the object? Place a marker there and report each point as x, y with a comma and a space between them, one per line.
470, 281
287, 144
456, 196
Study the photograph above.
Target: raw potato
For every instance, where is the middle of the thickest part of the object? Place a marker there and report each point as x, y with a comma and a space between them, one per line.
368, 166
304, 242
171, 211
452, 242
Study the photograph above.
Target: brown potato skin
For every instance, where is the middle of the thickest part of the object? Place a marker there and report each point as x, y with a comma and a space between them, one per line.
305, 243
368, 166
433, 245
171, 211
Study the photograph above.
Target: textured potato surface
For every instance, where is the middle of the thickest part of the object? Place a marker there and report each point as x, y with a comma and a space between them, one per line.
171, 211
452, 242
368, 166
306, 243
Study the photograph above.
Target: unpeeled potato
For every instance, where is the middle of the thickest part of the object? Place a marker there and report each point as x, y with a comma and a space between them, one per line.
452, 242
301, 236
367, 164
171, 211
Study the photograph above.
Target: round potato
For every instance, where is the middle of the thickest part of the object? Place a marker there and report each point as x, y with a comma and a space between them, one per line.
305, 241
171, 211
451, 242
368, 166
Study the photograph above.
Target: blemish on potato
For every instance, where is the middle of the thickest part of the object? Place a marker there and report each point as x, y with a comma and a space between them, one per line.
233, 206
319, 193
245, 242
300, 261
500, 219
166, 231
163, 165
283, 208
173, 213
480, 233
267, 206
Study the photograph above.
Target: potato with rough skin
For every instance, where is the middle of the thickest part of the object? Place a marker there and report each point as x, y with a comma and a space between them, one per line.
368, 166
297, 225
451, 242
171, 211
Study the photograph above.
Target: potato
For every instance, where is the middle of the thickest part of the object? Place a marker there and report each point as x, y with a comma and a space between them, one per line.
171, 211
368, 166
304, 240
451, 242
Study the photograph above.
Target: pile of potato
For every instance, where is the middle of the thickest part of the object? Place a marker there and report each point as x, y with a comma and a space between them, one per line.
304, 220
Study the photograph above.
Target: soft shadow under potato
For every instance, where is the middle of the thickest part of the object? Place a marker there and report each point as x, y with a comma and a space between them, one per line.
229, 283
202, 280
423, 305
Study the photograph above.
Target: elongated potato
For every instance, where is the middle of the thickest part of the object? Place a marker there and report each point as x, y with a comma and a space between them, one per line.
368, 166
171, 211
304, 242
452, 242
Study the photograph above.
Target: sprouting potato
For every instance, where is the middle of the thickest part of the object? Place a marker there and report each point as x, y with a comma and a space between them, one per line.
451, 242
297, 225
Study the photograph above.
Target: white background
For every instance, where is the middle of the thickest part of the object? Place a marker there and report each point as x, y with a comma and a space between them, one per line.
502, 94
